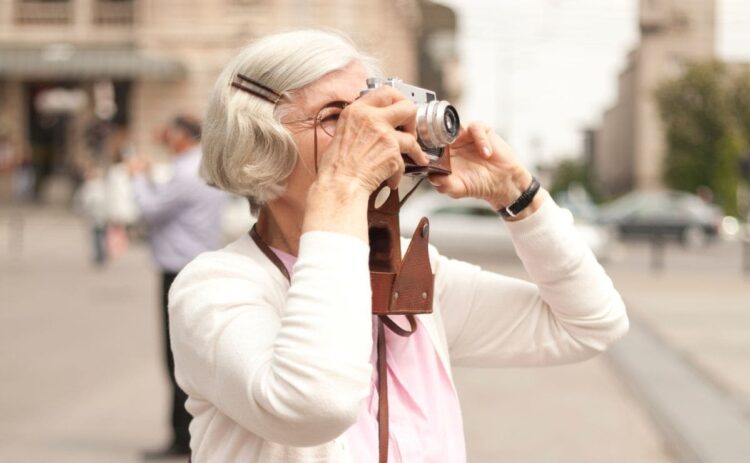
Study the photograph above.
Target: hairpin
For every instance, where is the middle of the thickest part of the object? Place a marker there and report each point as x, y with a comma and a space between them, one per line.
255, 88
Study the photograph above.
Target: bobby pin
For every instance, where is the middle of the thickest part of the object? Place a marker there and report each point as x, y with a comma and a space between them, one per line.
246, 84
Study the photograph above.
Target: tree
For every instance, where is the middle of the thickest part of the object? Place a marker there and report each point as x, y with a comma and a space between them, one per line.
703, 132
568, 172
741, 108
740, 104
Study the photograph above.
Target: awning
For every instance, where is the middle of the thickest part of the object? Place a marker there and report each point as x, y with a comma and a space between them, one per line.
68, 62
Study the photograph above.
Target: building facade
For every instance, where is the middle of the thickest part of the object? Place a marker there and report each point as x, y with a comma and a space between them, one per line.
79, 75
630, 144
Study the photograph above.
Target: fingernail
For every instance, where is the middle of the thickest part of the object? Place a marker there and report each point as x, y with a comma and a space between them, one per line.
487, 152
432, 182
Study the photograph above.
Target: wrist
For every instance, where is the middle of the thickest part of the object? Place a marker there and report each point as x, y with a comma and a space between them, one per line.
337, 191
522, 196
535, 204
519, 181
336, 207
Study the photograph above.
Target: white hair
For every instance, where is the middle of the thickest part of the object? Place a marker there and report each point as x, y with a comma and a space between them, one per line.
246, 149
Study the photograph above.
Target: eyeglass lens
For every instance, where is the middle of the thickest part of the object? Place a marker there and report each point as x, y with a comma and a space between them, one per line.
328, 116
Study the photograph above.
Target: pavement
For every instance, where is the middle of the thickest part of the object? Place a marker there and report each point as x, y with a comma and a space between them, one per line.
82, 377
83, 381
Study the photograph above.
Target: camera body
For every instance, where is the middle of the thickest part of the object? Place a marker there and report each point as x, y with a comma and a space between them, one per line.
437, 124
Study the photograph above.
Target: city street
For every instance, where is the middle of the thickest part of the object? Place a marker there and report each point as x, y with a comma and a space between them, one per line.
82, 376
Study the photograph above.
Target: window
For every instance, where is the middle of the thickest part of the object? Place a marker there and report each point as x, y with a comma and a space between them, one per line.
113, 12
43, 11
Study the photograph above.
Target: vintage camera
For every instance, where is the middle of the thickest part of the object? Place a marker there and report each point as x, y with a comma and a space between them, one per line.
437, 125
404, 284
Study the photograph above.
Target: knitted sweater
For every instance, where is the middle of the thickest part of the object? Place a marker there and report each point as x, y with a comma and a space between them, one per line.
275, 372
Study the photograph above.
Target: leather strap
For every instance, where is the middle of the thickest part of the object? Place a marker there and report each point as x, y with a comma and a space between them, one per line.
397, 329
269, 253
382, 395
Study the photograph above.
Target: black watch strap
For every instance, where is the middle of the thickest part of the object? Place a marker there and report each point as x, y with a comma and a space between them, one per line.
523, 201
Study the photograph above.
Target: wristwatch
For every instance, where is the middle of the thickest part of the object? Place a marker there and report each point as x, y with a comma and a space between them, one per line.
522, 202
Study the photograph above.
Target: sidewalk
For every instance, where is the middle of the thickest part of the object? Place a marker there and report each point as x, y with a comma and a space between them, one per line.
82, 372
686, 355
700, 306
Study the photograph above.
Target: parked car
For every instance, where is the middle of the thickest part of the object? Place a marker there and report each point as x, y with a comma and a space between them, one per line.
468, 225
674, 215
579, 203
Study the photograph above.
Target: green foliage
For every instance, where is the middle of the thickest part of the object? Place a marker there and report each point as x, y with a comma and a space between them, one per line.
569, 172
740, 104
706, 114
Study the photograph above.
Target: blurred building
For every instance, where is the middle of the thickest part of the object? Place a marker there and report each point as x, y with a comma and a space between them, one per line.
439, 68
629, 147
81, 79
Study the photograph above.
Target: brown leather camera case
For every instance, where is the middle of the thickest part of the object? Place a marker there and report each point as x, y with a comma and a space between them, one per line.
400, 286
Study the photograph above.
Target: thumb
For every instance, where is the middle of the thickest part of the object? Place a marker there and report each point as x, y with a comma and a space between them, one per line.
447, 184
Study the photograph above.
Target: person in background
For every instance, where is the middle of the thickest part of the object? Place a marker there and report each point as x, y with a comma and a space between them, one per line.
93, 202
24, 177
122, 212
183, 219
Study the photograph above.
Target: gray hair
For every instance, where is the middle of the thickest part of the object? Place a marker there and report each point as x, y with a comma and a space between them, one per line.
246, 149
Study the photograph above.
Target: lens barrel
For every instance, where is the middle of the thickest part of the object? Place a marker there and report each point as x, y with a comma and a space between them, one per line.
437, 124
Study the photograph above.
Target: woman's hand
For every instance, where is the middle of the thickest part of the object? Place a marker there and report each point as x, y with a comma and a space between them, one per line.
364, 153
485, 167
138, 165
366, 149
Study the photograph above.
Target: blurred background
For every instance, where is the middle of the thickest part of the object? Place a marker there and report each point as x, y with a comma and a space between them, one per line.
635, 114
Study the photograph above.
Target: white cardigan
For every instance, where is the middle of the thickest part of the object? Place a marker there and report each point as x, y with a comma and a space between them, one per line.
276, 373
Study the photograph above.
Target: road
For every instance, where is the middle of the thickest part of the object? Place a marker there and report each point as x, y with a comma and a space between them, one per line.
82, 378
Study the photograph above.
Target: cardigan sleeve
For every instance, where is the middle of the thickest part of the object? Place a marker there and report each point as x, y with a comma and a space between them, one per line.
569, 312
291, 372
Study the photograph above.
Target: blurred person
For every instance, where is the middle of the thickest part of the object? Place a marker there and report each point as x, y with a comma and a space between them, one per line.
122, 211
15, 160
183, 219
274, 337
7, 152
92, 199
24, 178
7, 163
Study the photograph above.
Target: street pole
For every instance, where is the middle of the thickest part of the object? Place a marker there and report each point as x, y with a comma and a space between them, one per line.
746, 251
657, 251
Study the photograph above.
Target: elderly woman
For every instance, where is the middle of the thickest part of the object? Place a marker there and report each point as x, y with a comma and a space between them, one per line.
274, 337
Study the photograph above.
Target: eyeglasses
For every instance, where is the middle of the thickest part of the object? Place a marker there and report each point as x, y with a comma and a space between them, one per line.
326, 118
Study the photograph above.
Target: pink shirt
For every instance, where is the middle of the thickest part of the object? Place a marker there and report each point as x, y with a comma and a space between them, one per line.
425, 418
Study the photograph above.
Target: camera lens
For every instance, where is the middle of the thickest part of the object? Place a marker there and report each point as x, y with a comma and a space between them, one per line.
450, 121
437, 124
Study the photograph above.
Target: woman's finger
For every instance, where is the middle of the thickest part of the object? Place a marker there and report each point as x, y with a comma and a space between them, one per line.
395, 179
501, 147
463, 138
479, 133
408, 145
447, 184
402, 114
380, 97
